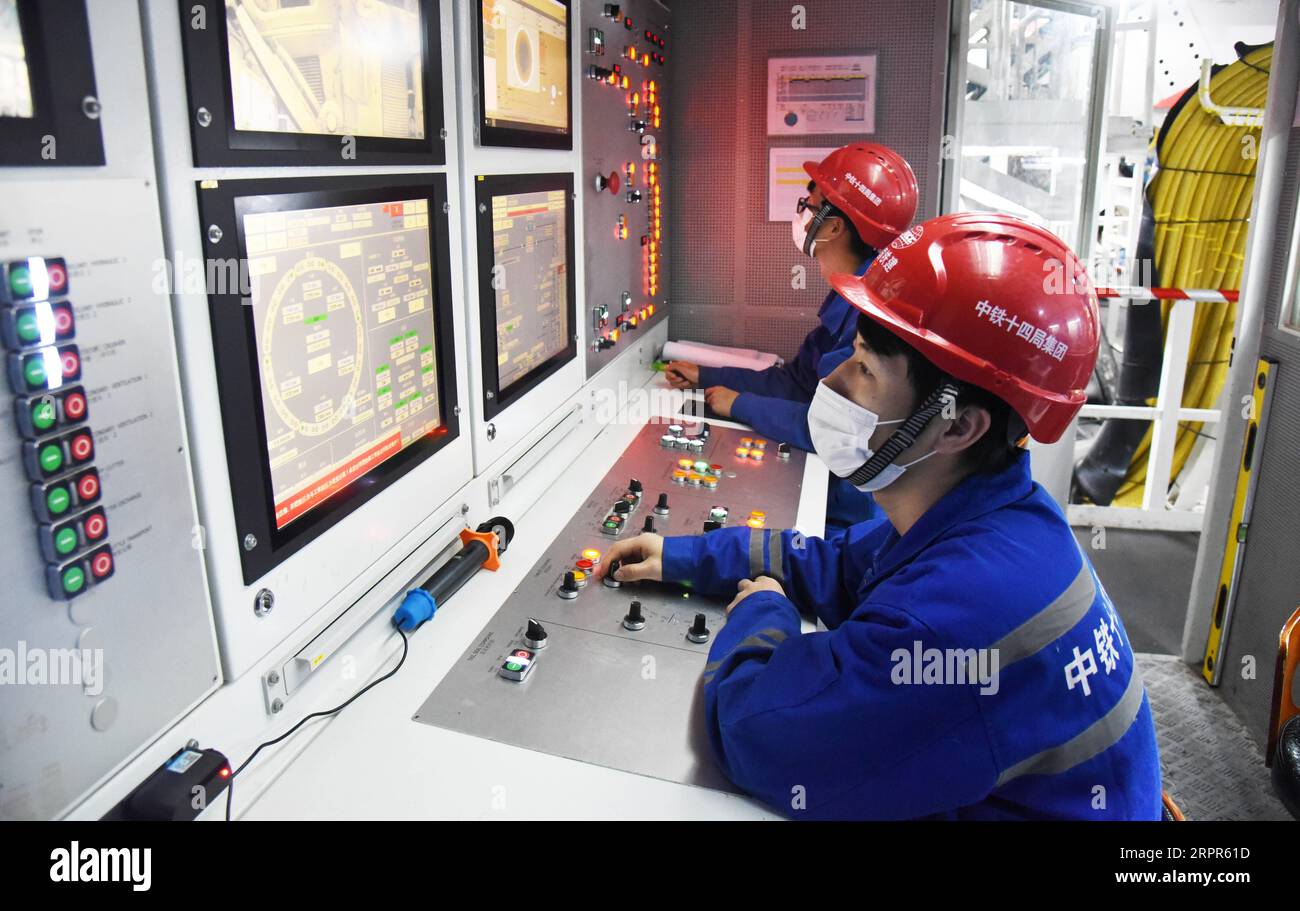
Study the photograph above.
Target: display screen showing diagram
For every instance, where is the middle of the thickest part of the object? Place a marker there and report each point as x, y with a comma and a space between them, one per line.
821, 95
526, 65
15, 80
345, 68
530, 278
344, 318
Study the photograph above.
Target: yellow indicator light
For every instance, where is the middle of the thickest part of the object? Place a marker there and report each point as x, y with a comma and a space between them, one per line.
742, 452
592, 555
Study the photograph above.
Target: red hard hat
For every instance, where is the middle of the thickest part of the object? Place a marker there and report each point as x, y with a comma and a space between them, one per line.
995, 302
873, 185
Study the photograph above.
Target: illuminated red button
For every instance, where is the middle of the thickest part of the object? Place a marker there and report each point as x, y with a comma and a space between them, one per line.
82, 448
95, 526
57, 274
74, 406
63, 322
101, 564
585, 565
71, 362
88, 487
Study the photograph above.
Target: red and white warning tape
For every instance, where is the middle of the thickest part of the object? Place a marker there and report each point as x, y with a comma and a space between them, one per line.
1224, 296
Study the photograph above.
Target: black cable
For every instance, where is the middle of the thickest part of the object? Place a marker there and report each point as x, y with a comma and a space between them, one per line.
230, 789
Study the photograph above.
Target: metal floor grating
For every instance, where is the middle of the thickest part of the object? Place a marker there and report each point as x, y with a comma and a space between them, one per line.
1211, 766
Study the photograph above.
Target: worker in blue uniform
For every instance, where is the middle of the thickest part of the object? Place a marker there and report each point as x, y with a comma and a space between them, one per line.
860, 197
972, 665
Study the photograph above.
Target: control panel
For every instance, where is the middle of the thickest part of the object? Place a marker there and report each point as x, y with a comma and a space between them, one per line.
624, 55
609, 673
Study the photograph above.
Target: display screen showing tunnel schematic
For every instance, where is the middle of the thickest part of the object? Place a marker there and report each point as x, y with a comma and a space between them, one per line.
344, 317
528, 239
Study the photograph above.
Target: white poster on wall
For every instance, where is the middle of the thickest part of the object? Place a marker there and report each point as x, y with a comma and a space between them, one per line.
787, 180
808, 95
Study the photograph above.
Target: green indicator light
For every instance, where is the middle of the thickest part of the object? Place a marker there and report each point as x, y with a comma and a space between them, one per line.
44, 415
73, 579
20, 280
512, 666
51, 459
34, 372
65, 542
27, 327
58, 500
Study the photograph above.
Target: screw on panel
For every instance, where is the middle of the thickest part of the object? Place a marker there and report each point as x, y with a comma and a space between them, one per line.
250, 541
91, 107
442, 134
263, 602
482, 207
490, 395
455, 409
464, 509
273, 678
446, 208
491, 431
204, 117
215, 234
277, 706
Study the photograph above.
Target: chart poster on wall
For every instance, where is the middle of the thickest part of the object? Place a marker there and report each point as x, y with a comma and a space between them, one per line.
808, 95
787, 181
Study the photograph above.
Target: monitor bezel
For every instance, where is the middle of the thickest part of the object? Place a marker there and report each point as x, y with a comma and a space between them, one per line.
495, 399
61, 70
222, 204
521, 137
221, 144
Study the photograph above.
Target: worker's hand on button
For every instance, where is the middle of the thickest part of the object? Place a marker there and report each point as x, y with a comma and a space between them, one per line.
682, 374
747, 587
721, 399
641, 558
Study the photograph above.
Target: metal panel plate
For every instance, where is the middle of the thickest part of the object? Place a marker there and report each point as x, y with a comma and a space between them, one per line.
151, 619
599, 692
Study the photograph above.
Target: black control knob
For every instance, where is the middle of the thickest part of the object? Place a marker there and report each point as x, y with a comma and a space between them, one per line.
661, 507
604, 342
622, 507
634, 486
535, 636
634, 196
699, 631
634, 620
610, 572
569, 587
712, 525
636, 126
783, 451
649, 526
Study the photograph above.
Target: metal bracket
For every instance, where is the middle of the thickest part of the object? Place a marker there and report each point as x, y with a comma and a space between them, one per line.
1231, 116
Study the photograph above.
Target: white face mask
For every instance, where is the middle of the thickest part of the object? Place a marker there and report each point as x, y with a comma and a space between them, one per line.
841, 430
799, 231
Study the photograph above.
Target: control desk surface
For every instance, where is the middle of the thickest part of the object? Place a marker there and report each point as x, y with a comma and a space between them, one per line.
626, 695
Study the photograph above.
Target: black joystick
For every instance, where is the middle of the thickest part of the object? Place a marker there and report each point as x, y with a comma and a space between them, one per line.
649, 525
634, 620
609, 574
535, 636
569, 587
661, 507
698, 632
622, 507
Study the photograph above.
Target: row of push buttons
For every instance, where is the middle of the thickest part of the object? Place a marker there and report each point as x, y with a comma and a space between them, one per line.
37, 325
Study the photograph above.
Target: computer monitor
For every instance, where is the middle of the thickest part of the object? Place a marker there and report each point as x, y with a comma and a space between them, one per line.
527, 296
313, 82
49, 107
15, 77
524, 64
333, 345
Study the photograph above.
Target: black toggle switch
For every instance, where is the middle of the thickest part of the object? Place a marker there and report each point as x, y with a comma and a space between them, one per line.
698, 632
609, 574
649, 526
634, 620
535, 636
569, 587
661, 507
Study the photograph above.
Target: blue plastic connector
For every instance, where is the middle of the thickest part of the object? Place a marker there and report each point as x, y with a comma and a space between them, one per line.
417, 607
